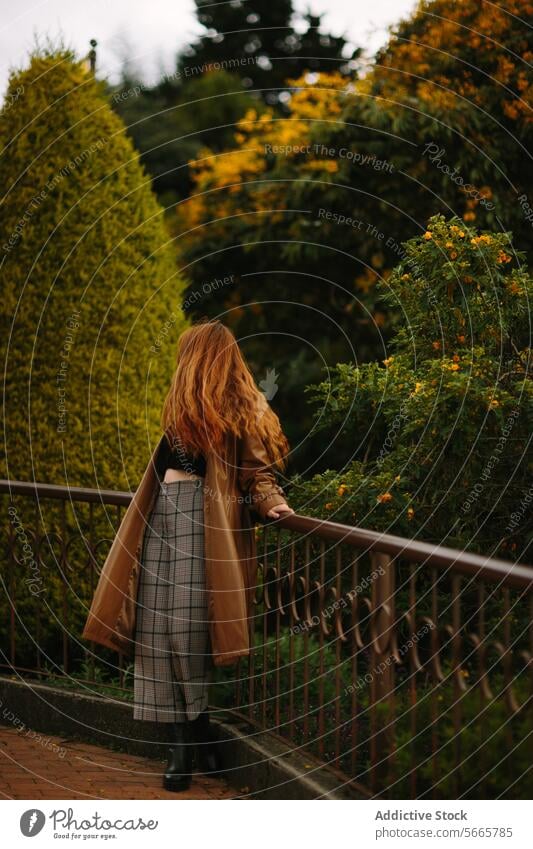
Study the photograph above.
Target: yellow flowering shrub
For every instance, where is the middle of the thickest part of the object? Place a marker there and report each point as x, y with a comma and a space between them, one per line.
438, 432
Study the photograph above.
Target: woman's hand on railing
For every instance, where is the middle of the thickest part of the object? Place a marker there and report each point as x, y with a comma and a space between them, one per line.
280, 510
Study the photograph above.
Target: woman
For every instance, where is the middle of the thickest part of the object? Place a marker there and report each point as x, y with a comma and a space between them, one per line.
177, 585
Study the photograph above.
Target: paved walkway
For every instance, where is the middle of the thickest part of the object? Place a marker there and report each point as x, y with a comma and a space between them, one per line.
60, 768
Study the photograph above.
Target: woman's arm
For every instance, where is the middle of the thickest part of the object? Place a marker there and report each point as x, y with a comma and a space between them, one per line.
258, 481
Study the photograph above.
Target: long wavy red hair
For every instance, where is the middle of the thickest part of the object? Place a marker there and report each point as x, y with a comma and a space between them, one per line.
213, 393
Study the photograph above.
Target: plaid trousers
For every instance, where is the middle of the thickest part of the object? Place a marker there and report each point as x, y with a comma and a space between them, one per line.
173, 663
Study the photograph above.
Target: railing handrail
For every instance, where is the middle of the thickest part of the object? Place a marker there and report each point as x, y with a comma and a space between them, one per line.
70, 493
519, 575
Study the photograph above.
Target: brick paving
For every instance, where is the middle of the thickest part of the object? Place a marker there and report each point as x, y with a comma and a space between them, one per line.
30, 769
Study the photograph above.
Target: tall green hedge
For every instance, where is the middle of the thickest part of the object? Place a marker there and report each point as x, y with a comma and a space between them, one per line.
91, 300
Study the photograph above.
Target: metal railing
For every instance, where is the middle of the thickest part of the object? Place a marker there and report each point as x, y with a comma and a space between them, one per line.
404, 666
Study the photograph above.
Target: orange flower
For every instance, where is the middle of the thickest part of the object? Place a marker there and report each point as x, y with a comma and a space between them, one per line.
410, 513
503, 257
328, 506
386, 496
342, 489
461, 338
428, 234
454, 367
456, 358
436, 345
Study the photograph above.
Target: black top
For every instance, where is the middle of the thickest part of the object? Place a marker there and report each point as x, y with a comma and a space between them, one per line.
175, 457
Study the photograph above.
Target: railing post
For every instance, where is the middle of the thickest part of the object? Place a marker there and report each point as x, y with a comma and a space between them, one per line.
382, 669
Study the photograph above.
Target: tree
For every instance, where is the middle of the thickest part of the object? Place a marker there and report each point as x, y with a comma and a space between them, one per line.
258, 41
434, 441
170, 123
246, 47
448, 105
90, 293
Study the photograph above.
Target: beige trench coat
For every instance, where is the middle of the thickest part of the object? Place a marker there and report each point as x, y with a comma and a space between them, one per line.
236, 494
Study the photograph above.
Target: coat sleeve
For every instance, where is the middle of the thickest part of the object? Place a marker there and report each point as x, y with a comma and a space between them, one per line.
256, 477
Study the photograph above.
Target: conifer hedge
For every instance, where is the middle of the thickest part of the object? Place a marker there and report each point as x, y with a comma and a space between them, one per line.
91, 299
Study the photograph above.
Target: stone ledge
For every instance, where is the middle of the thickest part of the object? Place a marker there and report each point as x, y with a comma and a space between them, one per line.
256, 764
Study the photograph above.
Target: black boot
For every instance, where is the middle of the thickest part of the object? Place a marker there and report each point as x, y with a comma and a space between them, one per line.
207, 760
179, 765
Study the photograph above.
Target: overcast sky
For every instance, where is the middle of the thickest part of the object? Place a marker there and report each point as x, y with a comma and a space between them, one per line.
151, 31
